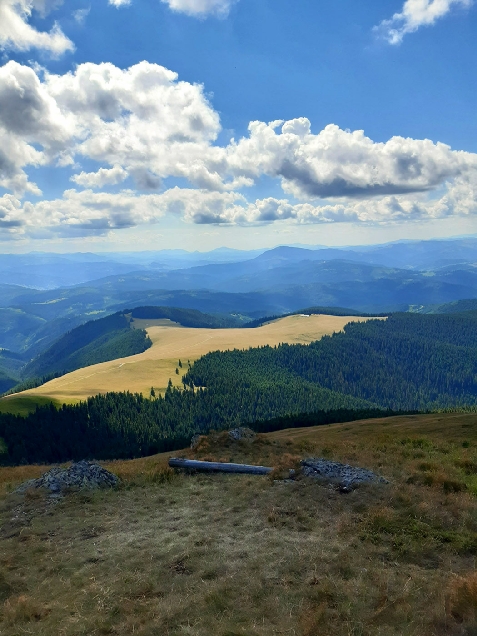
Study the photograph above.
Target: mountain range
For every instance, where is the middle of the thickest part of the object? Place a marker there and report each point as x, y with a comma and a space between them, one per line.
43, 296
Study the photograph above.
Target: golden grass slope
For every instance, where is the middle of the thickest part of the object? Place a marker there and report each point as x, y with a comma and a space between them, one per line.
171, 342
241, 555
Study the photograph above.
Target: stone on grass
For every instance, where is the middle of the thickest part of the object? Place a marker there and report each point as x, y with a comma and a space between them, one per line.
242, 433
346, 477
79, 476
194, 442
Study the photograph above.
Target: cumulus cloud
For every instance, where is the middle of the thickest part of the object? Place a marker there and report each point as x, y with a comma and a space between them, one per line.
140, 121
78, 213
104, 176
10, 213
87, 213
414, 14
33, 130
144, 125
336, 163
82, 213
119, 3
17, 34
199, 8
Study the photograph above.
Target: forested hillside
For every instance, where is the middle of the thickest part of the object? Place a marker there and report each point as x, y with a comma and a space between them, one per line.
122, 425
455, 307
95, 341
10, 366
6, 382
408, 362
185, 317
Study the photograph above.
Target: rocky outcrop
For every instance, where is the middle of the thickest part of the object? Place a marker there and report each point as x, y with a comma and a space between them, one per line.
81, 475
241, 433
345, 476
195, 440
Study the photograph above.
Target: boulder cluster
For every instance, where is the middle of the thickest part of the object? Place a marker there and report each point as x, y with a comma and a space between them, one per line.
81, 475
345, 476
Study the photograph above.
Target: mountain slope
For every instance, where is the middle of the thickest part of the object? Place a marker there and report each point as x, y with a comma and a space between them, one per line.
155, 366
184, 317
409, 361
96, 341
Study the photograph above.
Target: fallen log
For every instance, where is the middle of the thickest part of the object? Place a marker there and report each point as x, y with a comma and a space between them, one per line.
218, 467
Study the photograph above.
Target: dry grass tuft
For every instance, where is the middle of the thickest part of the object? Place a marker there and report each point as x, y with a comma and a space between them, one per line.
462, 599
11, 477
23, 609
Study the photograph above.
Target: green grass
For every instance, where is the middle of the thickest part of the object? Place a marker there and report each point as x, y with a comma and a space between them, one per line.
25, 404
229, 555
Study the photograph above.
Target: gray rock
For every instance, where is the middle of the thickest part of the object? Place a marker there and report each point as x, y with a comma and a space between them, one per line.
81, 475
194, 442
346, 477
242, 433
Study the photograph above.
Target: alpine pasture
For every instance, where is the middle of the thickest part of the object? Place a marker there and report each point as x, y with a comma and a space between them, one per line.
171, 343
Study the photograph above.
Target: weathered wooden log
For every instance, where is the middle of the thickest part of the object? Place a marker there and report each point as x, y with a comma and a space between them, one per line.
218, 467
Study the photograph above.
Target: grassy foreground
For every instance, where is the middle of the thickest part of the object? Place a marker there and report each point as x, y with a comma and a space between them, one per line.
170, 554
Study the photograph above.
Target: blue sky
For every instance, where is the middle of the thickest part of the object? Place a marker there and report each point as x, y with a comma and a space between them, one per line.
100, 148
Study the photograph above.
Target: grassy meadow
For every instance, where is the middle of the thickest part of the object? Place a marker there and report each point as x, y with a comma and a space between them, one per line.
172, 343
23, 404
228, 555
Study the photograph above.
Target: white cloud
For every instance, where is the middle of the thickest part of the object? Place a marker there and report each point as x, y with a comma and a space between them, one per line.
414, 14
102, 177
145, 123
10, 214
119, 3
141, 119
16, 33
77, 214
142, 123
33, 130
336, 163
82, 213
199, 8
80, 15
88, 213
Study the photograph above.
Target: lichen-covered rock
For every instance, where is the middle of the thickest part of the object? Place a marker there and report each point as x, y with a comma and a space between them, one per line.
81, 475
242, 433
345, 476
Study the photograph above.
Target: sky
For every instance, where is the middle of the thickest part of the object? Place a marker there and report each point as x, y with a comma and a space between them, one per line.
196, 124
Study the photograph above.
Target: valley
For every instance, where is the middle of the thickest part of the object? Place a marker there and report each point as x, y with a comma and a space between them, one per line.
171, 343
